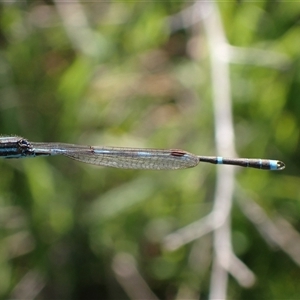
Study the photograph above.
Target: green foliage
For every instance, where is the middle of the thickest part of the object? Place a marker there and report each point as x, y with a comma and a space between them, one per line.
127, 80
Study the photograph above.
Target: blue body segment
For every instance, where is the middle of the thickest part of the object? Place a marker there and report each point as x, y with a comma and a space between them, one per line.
219, 160
273, 165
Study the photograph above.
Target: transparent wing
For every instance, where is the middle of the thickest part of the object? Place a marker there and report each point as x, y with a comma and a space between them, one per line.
128, 158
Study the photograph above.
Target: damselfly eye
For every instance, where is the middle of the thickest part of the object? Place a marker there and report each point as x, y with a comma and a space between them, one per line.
23, 142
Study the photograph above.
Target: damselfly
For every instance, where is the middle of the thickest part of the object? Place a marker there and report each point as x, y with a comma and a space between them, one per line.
125, 158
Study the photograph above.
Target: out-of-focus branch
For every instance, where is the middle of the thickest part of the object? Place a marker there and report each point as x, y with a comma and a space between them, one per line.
191, 16
29, 286
278, 232
255, 56
219, 219
211, 222
224, 136
124, 268
241, 272
19, 244
192, 232
83, 38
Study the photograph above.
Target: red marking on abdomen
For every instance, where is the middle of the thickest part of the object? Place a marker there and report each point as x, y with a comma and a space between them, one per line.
177, 153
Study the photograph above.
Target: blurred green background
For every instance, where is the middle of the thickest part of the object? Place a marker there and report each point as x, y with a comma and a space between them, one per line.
121, 74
